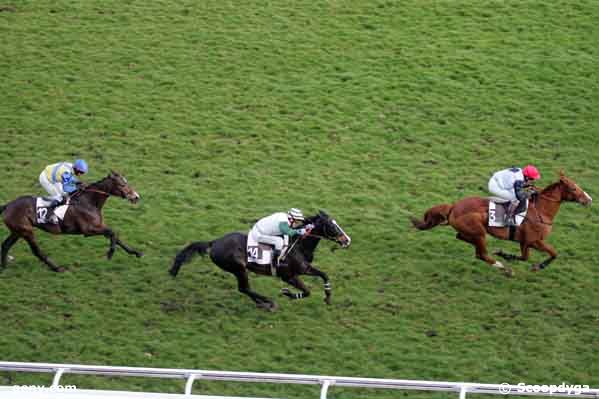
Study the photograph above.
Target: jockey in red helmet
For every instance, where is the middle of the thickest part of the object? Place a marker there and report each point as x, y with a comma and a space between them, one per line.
509, 184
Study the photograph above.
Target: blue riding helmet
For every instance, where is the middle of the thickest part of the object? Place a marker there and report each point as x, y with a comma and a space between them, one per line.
80, 165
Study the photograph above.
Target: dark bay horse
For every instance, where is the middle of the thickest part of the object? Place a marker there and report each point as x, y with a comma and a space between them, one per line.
84, 216
230, 254
469, 217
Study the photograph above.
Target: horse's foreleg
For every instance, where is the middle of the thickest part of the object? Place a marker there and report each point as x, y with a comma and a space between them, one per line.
312, 271
42, 256
299, 284
114, 241
543, 246
9, 242
108, 233
243, 285
128, 249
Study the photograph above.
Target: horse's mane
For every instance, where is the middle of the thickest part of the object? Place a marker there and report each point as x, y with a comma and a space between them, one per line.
99, 185
551, 187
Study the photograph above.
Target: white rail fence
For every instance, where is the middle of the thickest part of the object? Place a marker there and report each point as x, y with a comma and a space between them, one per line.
190, 376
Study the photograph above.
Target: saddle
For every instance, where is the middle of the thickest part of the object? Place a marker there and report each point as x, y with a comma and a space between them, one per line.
262, 254
41, 211
498, 208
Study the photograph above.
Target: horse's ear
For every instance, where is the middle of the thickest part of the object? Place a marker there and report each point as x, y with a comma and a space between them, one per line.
561, 174
323, 213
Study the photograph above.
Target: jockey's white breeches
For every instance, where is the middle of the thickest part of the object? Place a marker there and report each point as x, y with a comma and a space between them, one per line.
276, 241
54, 190
497, 190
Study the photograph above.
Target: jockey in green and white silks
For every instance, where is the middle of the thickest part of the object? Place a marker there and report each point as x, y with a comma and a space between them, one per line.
272, 229
60, 179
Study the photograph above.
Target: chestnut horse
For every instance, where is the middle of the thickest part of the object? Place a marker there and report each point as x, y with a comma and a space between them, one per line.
469, 217
84, 216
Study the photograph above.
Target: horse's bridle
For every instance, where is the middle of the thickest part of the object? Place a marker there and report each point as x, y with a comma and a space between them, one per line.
322, 237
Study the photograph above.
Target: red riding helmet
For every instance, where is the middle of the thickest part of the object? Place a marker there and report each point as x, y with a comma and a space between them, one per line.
531, 172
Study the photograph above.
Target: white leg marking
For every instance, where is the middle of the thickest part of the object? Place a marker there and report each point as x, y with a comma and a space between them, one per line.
498, 265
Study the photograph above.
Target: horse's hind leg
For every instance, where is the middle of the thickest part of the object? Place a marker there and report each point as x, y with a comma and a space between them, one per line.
41, 256
480, 245
6, 245
299, 284
243, 285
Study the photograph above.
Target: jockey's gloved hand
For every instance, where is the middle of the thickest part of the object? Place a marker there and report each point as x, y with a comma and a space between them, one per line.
309, 226
302, 232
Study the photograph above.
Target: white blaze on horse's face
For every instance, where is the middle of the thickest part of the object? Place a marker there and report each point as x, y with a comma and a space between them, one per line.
584, 199
134, 197
589, 199
343, 239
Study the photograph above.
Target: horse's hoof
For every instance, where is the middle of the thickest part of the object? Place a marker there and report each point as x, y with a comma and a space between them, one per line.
535, 268
139, 254
60, 270
327, 300
10, 258
109, 255
509, 272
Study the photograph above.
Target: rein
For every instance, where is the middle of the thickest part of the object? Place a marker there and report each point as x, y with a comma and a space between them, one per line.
539, 215
303, 237
319, 236
93, 190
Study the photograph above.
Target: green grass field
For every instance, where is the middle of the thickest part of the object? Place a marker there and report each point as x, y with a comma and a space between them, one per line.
222, 112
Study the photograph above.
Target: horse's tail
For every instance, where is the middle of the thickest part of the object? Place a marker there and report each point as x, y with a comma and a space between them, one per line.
187, 253
435, 216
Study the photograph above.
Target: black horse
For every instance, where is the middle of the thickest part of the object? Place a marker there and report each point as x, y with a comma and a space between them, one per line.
230, 254
84, 216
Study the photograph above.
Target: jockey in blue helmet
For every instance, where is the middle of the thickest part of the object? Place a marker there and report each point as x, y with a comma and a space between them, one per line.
60, 180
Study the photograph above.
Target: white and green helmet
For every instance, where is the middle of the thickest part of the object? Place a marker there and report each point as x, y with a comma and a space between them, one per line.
295, 214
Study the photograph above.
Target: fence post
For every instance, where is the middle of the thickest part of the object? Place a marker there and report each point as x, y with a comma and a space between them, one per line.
189, 384
325, 388
463, 390
57, 377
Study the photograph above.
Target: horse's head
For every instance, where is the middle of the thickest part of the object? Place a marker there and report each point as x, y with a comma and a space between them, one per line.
119, 187
326, 227
570, 191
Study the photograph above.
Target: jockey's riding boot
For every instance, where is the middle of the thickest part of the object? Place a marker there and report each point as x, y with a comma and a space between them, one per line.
53, 205
510, 217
